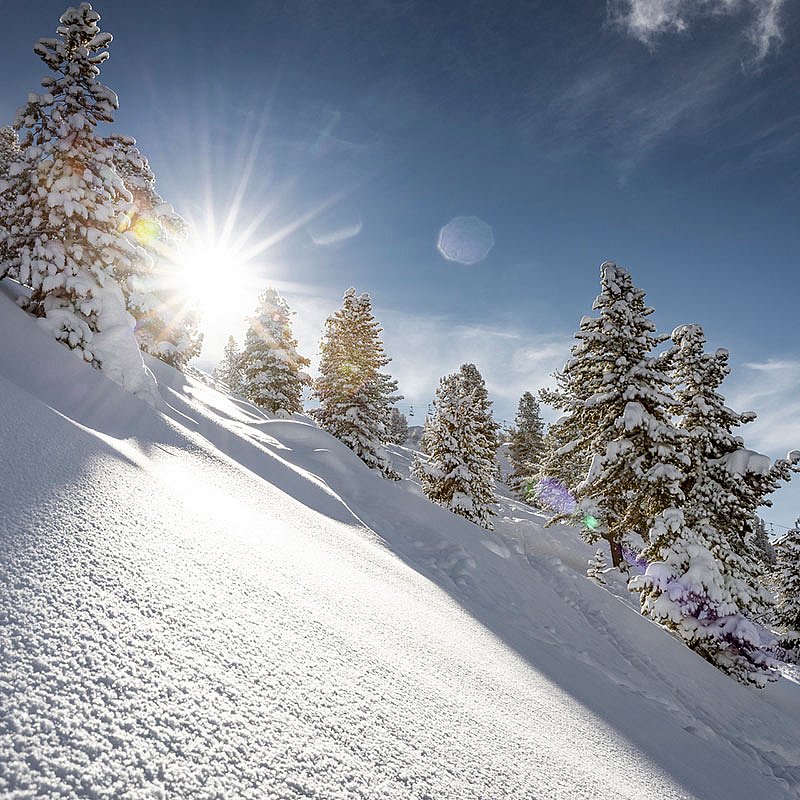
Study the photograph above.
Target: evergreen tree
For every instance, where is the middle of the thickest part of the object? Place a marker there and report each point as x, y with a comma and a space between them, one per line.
526, 446
473, 383
619, 410
597, 566
167, 326
271, 367
703, 580
10, 153
398, 427
229, 370
354, 395
787, 579
459, 471
63, 228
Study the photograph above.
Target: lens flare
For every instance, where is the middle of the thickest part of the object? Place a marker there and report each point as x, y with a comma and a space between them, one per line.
146, 230
552, 494
466, 240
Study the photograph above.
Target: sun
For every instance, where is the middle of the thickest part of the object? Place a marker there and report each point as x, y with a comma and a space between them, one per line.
205, 269
216, 279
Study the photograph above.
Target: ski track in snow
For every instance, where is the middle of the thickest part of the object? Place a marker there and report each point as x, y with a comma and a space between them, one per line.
203, 602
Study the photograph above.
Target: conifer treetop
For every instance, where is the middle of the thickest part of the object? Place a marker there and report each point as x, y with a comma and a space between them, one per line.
75, 54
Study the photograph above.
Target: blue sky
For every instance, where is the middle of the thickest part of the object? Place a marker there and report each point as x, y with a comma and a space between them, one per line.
336, 139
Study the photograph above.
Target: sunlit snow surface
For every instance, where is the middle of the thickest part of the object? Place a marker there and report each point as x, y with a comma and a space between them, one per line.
203, 602
466, 240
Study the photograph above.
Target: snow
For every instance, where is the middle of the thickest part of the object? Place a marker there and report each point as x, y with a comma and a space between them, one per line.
200, 600
744, 461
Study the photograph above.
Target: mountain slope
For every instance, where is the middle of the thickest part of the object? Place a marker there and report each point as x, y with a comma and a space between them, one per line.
201, 601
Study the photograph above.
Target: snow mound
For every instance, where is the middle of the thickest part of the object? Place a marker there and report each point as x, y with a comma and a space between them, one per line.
197, 600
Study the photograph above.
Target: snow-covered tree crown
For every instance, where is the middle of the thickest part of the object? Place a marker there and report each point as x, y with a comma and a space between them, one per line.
355, 397
79, 98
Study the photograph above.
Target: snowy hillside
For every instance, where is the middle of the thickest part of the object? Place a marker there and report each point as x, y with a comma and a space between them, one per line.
200, 601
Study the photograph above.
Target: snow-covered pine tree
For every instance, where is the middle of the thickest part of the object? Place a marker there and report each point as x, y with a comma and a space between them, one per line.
63, 229
619, 410
271, 367
398, 427
703, 580
167, 326
526, 446
229, 370
354, 395
473, 383
596, 567
10, 153
459, 471
787, 580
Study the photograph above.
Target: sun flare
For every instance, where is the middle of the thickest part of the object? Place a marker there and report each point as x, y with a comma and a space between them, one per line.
217, 280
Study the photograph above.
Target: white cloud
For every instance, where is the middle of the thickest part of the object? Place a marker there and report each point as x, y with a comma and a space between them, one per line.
512, 360
648, 20
766, 30
770, 388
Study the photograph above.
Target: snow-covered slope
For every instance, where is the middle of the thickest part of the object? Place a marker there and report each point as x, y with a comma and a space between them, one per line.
199, 601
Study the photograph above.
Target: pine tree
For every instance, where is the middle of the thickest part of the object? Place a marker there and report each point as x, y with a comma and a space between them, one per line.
398, 427
10, 153
526, 446
271, 367
703, 580
787, 579
167, 326
597, 566
63, 228
229, 370
354, 395
473, 383
619, 410
459, 471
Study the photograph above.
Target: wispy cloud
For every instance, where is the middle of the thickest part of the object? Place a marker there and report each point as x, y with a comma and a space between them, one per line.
770, 388
511, 359
424, 347
649, 20
609, 107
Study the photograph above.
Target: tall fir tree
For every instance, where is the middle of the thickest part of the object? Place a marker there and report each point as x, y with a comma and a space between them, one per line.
167, 324
473, 383
271, 368
398, 427
459, 471
526, 446
354, 396
619, 410
63, 230
229, 370
703, 580
787, 581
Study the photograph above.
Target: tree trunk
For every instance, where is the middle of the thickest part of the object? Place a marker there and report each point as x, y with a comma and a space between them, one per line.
616, 553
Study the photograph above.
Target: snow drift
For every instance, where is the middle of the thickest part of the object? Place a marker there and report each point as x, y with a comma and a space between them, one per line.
198, 600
